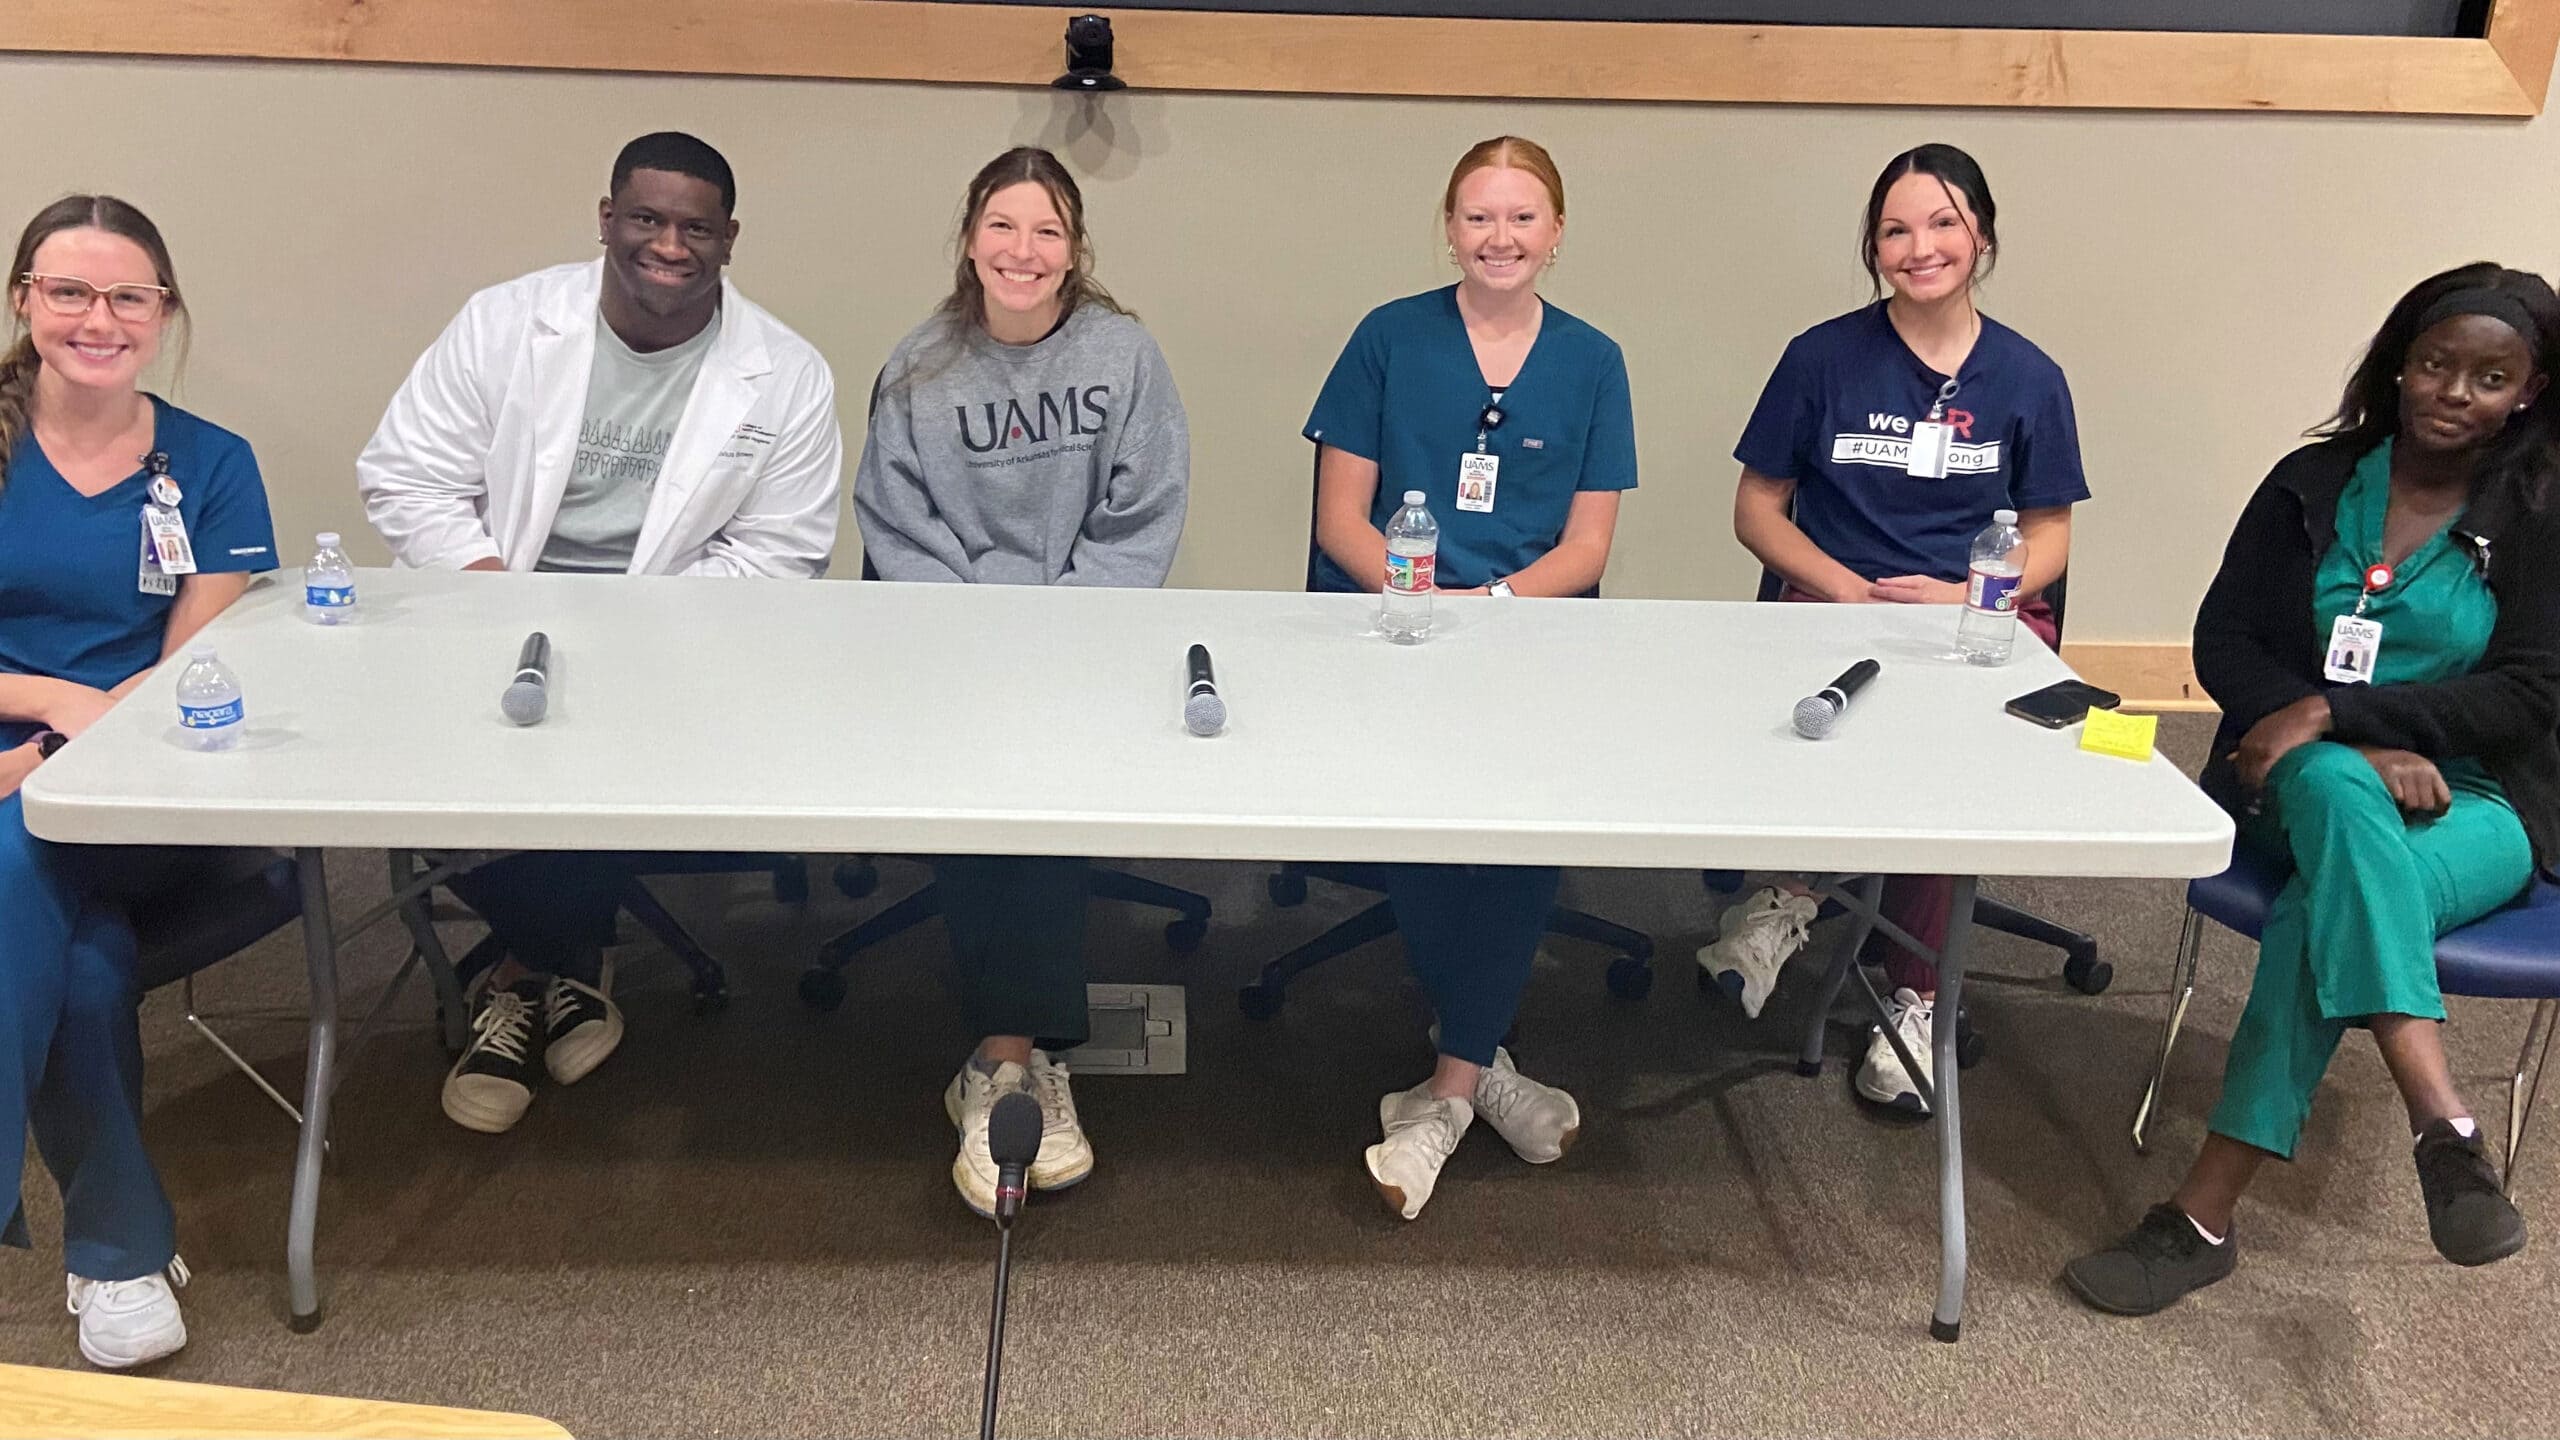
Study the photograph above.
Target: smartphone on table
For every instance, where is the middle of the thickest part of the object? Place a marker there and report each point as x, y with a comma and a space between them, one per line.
2063, 703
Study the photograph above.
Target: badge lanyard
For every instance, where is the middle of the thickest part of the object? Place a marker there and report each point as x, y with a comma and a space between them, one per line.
2355, 642
1927, 457
166, 553
1481, 470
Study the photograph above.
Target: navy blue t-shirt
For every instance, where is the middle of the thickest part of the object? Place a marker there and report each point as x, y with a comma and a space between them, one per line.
71, 605
1836, 418
1407, 394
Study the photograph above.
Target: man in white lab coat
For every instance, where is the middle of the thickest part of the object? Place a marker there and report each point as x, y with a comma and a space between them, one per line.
628, 415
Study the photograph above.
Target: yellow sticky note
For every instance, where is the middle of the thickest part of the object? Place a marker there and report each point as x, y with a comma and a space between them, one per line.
2128, 736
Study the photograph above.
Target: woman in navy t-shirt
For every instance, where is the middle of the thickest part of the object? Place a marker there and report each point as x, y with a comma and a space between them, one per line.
1840, 504
87, 609
1533, 403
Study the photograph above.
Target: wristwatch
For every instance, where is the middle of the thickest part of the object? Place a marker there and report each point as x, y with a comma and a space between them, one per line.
1501, 588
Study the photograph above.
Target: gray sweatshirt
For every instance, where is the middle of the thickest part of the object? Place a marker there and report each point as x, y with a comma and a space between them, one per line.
1067, 462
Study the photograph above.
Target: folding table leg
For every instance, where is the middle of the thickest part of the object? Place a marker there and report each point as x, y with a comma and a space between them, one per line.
1947, 1322
1844, 960
320, 951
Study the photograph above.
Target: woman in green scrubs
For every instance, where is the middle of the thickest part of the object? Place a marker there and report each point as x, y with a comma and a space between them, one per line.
2384, 641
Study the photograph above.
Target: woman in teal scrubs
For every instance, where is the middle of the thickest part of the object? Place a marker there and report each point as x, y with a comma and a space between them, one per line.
87, 609
1534, 403
2384, 641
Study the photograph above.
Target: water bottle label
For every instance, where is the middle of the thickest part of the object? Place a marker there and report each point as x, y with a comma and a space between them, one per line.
329, 597
1410, 574
209, 717
1992, 594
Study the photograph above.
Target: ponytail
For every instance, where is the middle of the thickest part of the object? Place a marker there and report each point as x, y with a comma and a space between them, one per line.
18, 367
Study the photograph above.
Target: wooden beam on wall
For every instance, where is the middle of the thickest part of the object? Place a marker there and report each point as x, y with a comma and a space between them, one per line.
2506, 74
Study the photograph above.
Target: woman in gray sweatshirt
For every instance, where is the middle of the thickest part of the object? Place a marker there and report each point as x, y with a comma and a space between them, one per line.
1027, 433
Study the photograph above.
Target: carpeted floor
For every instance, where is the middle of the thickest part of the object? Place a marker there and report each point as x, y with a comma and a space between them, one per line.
744, 1225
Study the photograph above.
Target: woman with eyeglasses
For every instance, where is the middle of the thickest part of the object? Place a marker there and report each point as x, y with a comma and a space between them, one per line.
92, 468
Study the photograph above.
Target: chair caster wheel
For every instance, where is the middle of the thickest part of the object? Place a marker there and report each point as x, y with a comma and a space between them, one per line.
1184, 936
821, 989
857, 878
1287, 890
1631, 978
2088, 974
1259, 1001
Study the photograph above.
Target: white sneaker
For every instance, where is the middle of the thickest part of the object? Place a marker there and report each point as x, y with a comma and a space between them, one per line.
1540, 1121
1066, 1156
1422, 1131
1754, 940
581, 1025
1882, 1078
969, 1100
124, 1323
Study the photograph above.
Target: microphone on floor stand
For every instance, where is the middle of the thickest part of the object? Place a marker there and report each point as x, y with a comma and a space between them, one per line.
1013, 1142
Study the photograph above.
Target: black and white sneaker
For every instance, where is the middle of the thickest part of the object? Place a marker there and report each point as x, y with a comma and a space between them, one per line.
489, 1087
581, 1025
2468, 1214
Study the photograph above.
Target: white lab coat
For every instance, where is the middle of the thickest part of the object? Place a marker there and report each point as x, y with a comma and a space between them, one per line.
475, 450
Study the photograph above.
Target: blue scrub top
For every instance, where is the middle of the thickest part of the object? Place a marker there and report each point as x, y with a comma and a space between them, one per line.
71, 607
1836, 418
1407, 393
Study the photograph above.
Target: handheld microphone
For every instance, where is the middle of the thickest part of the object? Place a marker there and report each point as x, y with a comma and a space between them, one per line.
528, 697
1202, 711
1013, 1142
1818, 712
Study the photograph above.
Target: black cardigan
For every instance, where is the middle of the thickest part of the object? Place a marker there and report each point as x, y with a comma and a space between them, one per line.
2258, 649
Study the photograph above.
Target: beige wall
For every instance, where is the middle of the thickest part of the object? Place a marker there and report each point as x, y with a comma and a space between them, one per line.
2203, 279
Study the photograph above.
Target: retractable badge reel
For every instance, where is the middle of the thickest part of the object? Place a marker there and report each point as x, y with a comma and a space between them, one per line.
2354, 641
1927, 459
166, 552
1480, 472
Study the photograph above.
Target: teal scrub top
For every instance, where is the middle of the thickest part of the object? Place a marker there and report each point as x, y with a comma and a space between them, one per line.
1407, 394
2436, 614
71, 602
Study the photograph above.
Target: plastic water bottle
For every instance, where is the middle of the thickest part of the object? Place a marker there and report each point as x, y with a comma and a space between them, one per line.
328, 583
1989, 625
1413, 554
209, 701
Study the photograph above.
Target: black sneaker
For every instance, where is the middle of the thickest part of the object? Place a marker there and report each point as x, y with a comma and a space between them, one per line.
581, 1026
2151, 1269
490, 1086
2468, 1216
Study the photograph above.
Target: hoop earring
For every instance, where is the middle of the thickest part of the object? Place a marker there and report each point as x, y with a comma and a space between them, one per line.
1453, 255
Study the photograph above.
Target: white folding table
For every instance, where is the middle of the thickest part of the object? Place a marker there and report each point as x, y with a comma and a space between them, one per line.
748, 715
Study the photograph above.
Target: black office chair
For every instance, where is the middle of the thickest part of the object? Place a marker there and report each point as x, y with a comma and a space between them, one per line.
1630, 972
2081, 967
709, 979
822, 985
226, 902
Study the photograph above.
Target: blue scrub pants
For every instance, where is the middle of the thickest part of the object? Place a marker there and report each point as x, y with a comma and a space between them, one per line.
71, 1050
1471, 933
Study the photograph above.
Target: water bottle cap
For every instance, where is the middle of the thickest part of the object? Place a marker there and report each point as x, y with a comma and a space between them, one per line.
1413, 497
328, 539
2004, 517
200, 651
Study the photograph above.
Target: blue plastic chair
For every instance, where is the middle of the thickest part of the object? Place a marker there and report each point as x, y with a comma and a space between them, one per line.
2511, 954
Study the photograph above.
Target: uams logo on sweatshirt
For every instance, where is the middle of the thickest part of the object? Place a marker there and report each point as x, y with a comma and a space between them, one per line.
995, 425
